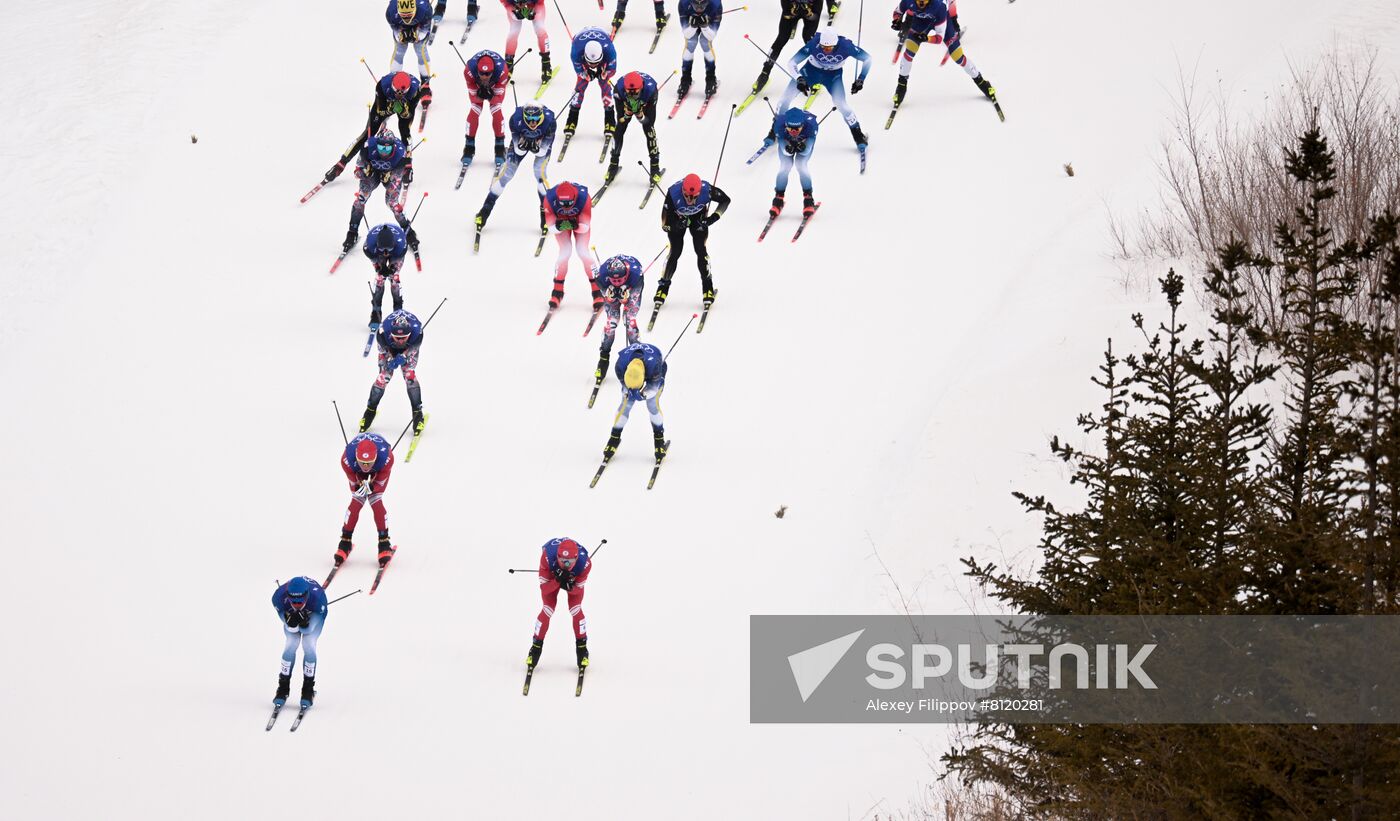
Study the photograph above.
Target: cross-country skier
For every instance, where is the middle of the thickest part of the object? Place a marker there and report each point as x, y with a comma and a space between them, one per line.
368, 461
301, 606
384, 161
920, 21
595, 59
700, 21
385, 245
564, 564
532, 10
568, 209
796, 132
622, 283
634, 98
821, 62
532, 130
487, 77
641, 370
806, 12
687, 208
399, 337
395, 95
621, 12
411, 21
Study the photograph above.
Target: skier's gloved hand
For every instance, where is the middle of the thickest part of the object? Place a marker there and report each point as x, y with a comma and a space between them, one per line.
396, 363
857, 86
635, 395
296, 618
566, 581
712, 219
802, 85
897, 23
361, 493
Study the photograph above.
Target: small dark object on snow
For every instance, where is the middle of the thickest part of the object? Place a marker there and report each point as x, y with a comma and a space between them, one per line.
194, 139
782, 509
1069, 169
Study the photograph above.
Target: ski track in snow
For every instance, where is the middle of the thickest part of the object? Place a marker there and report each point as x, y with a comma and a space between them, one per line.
173, 344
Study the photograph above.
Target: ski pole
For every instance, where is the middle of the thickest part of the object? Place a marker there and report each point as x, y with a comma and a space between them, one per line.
372, 75
770, 107
434, 313
464, 60
725, 142
562, 20
824, 116
346, 596
693, 317
768, 56
663, 250
596, 550
513, 95
665, 81
337, 414
420, 199
650, 181
728, 11
400, 439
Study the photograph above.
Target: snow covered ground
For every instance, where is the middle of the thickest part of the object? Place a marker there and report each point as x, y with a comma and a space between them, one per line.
172, 344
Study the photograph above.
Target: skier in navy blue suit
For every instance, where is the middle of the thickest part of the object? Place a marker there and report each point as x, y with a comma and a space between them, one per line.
385, 245
700, 21
641, 368
301, 606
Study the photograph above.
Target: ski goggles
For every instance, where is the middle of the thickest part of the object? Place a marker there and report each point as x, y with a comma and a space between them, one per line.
384, 149
297, 603
567, 562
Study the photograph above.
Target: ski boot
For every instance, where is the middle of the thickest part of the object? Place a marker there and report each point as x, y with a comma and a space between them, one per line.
808, 204
343, 551
533, 657
469, 151
510, 62
556, 296
711, 82
425, 94
500, 152
418, 420
684, 87
386, 550
616, 24
655, 170
662, 287
597, 297
603, 359
859, 136
614, 165
899, 90
763, 76
308, 690
614, 439
710, 292
581, 648
375, 317
333, 173
777, 207
284, 688
412, 237
473, 10
985, 87
351, 236
545, 71
367, 419
659, 441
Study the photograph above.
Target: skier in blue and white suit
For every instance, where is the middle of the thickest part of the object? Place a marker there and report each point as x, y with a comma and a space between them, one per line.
699, 25
532, 129
796, 132
301, 605
641, 368
821, 62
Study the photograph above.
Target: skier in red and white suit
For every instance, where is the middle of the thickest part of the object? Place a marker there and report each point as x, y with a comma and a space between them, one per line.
518, 12
367, 461
564, 564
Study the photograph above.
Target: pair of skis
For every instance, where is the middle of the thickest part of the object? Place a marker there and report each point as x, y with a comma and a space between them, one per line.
462, 175
655, 468
806, 218
704, 106
378, 576
277, 711
530, 674
550, 315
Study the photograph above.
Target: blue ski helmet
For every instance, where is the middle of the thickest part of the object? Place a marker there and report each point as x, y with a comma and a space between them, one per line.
387, 239
616, 271
794, 121
298, 592
400, 325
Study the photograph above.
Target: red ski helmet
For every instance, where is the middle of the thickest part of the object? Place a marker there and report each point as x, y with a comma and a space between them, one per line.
691, 187
567, 553
566, 194
633, 83
486, 65
401, 84
366, 453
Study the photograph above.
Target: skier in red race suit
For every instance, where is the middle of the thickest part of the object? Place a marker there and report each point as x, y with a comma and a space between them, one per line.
367, 461
564, 564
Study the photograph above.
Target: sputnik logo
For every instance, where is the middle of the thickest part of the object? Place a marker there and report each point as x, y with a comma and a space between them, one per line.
811, 666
